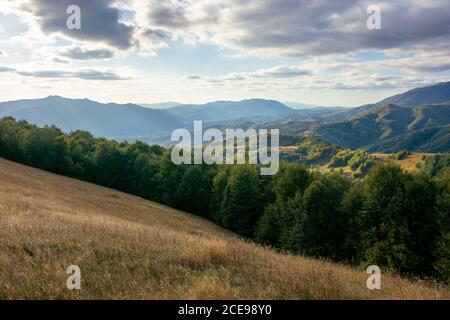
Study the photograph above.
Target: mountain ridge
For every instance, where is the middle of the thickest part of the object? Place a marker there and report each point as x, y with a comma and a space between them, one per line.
228, 110
101, 119
387, 123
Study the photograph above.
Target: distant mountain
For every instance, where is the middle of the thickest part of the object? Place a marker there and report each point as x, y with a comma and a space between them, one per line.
107, 120
161, 105
303, 106
385, 127
435, 94
300, 105
228, 110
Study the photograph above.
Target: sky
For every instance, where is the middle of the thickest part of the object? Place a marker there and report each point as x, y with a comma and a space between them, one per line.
317, 52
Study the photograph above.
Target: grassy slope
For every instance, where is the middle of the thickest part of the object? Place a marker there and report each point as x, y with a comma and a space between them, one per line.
409, 163
128, 247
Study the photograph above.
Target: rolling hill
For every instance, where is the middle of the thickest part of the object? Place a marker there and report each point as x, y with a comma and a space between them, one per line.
106, 120
390, 128
127, 247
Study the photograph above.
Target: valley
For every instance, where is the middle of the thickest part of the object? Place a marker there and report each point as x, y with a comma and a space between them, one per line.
417, 120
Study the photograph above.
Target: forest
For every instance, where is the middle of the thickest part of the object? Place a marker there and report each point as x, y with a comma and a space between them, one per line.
395, 219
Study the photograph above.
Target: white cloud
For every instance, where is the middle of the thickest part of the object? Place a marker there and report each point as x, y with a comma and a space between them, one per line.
296, 28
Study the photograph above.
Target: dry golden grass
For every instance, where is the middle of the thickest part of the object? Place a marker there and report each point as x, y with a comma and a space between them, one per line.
130, 248
409, 163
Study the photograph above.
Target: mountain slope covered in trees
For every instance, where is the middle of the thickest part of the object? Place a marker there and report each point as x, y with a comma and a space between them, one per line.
435, 94
383, 129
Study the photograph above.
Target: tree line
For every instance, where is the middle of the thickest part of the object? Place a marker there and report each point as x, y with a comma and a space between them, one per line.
395, 219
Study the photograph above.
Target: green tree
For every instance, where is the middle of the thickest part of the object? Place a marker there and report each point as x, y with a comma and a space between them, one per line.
279, 224
10, 140
193, 192
322, 228
400, 224
168, 177
109, 162
81, 148
442, 251
46, 148
219, 185
242, 205
352, 210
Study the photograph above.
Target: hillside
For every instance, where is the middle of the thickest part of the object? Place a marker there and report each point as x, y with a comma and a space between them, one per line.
107, 120
435, 140
390, 128
410, 162
128, 247
435, 94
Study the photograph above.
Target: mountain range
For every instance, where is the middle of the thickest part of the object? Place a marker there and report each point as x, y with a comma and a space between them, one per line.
110, 120
418, 119
228, 110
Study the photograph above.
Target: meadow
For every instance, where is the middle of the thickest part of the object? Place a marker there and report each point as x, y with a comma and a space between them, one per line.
131, 248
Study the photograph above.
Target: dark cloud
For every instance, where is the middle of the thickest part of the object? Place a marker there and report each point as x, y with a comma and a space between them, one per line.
99, 20
59, 60
86, 74
340, 26
168, 14
156, 34
431, 67
78, 53
282, 72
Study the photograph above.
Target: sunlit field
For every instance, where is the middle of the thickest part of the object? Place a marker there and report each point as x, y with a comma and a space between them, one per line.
130, 248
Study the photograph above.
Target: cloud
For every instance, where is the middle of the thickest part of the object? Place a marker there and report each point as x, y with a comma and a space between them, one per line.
432, 62
168, 14
100, 21
287, 28
2, 53
11, 25
59, 60
281, 72
85, 74
302, 27
78, 53
278, 72
6, 69
156, 34
319, 74
193, 77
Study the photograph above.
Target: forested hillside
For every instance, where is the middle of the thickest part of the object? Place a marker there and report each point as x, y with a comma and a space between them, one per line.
395, 219
391, 128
